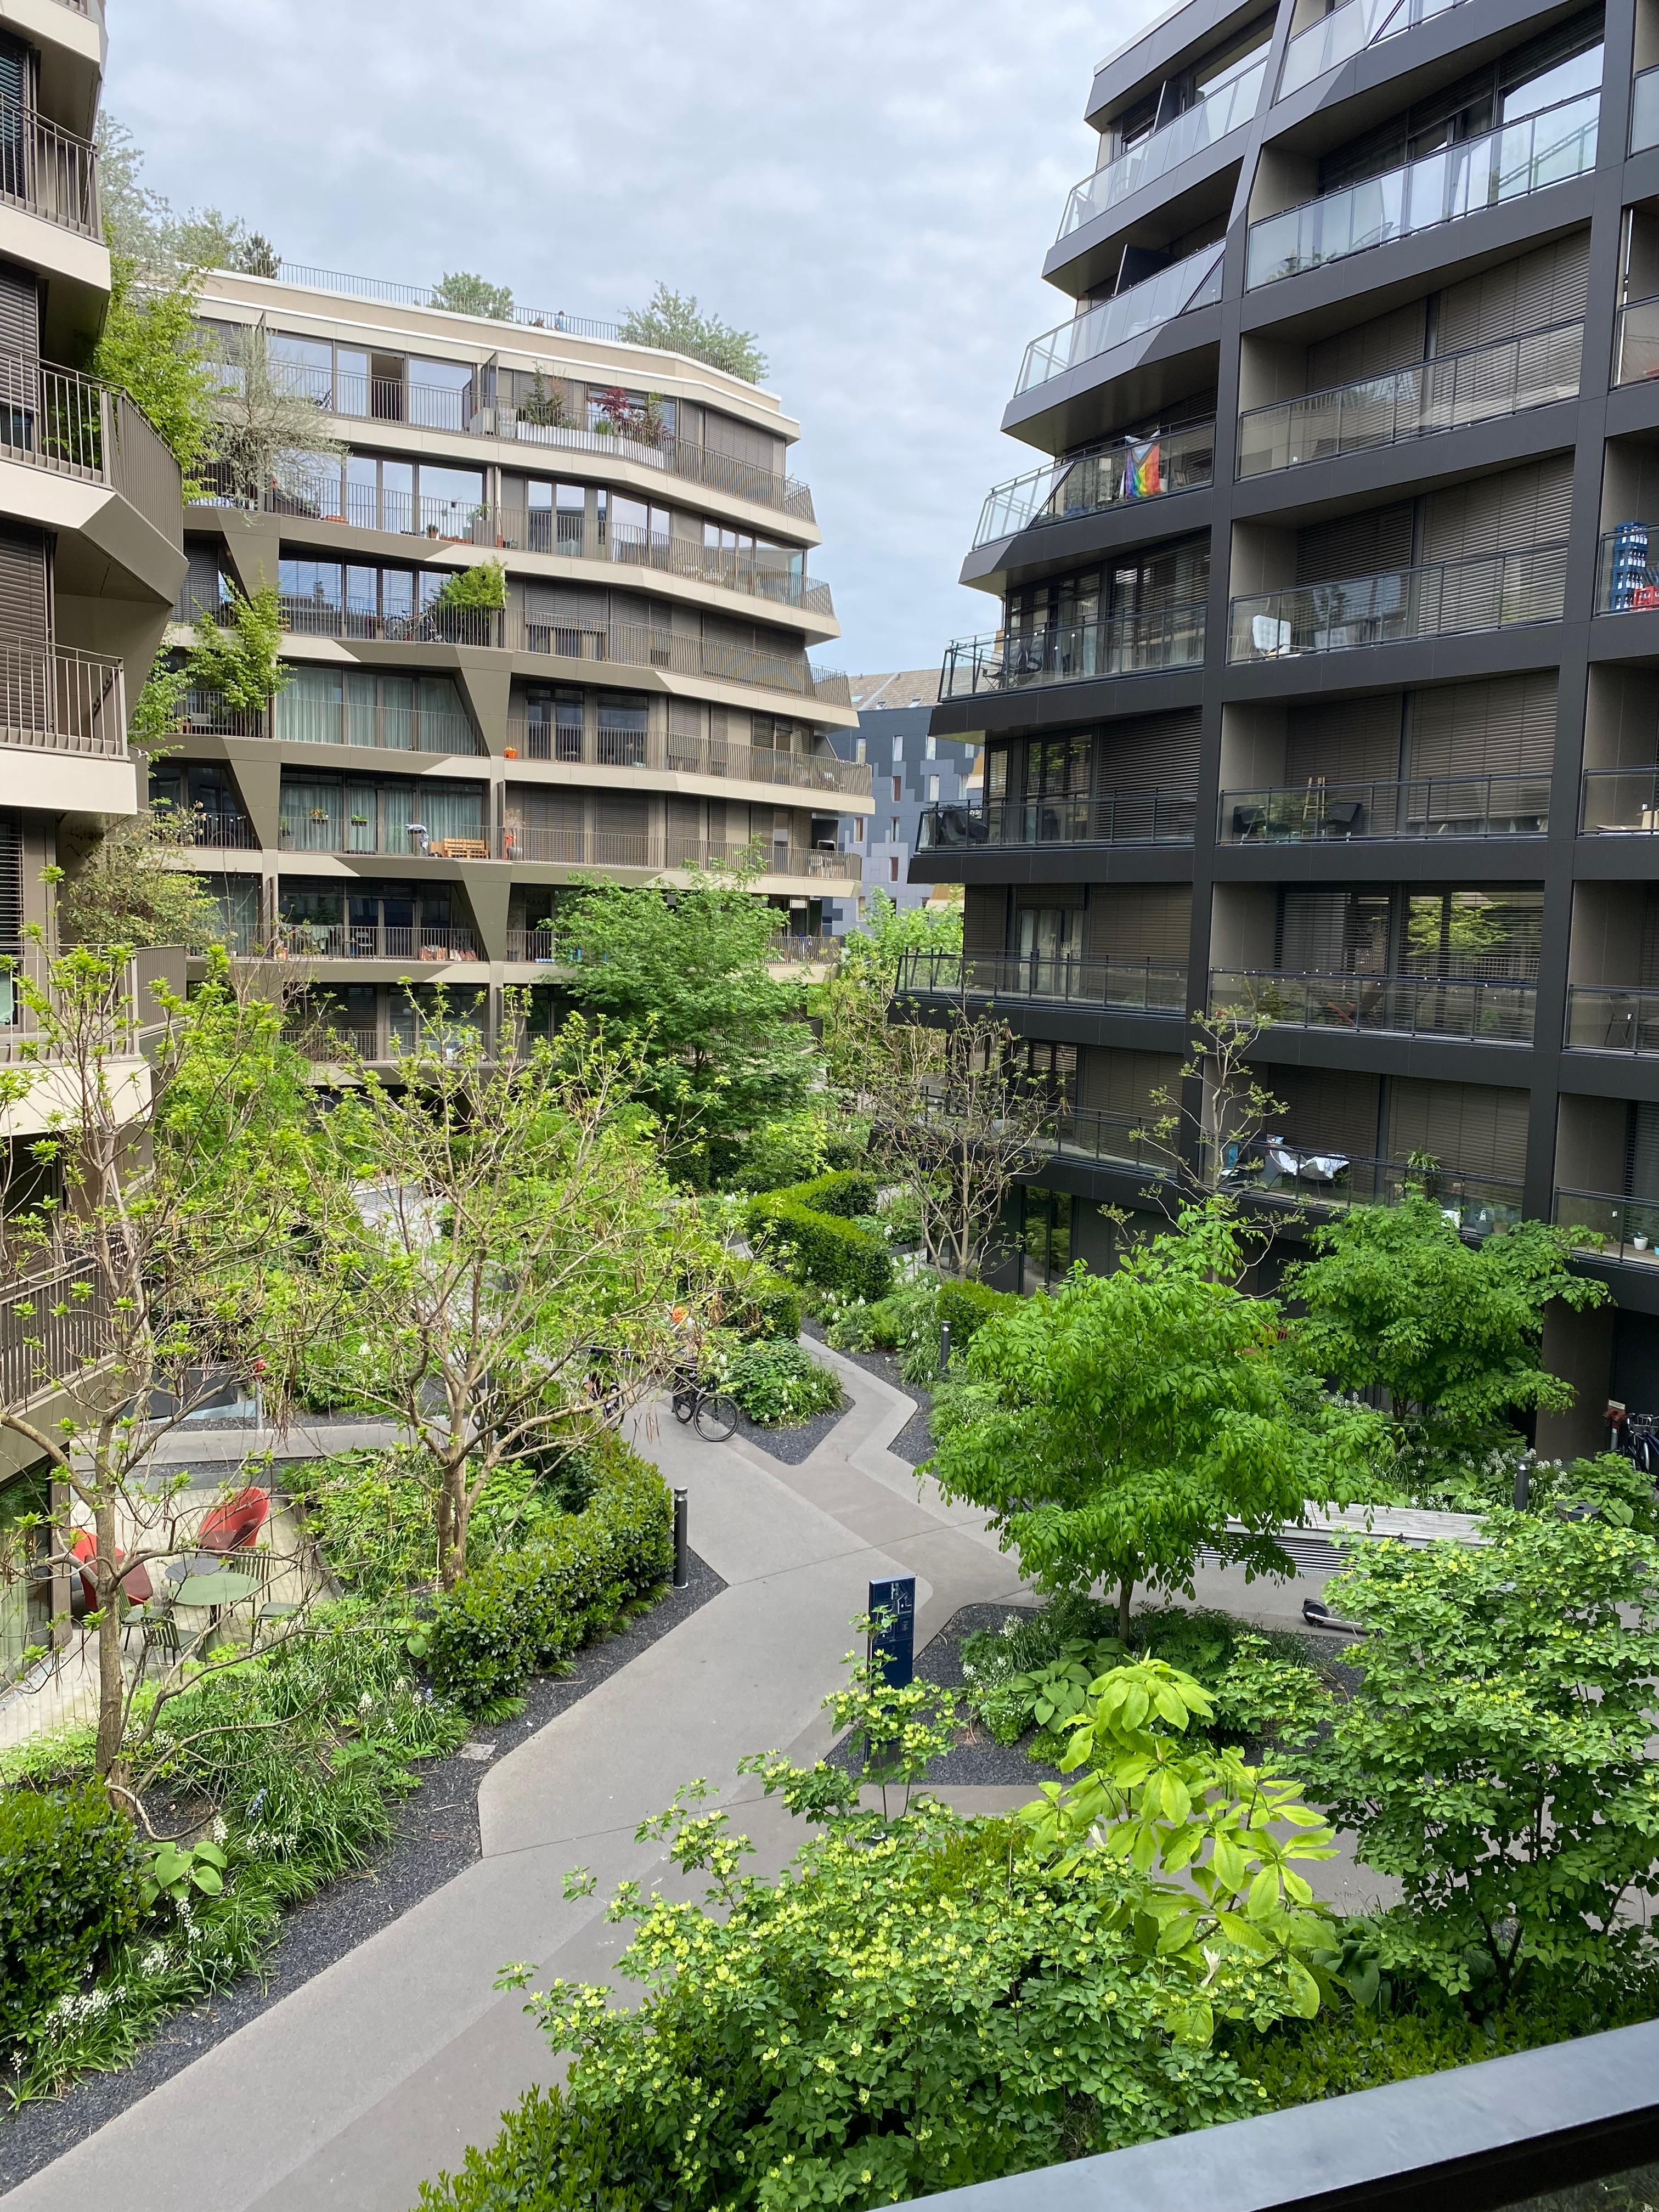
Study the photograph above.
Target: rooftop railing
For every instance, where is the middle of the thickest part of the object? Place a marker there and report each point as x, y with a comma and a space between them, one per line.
423, 295
1160, 151
1113, 818
1193, 283
47, 170
1542, 150
672, 754
1620, 802
53, 700
1347, 31
1442, 598
1131, 645
52, 419
1150, 987
1603, 1017
1447, 393
1415, 807
1644, 111
1128, 470
1497, 1011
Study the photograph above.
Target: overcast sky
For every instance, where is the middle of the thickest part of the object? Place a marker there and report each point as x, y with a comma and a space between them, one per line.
869, 185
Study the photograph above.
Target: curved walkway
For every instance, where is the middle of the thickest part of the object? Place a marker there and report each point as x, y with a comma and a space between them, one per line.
384, 2067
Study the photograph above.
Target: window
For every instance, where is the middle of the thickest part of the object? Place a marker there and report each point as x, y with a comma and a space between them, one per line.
858, 752
898, 789
553, 722
623, 720
895, 831
932, 749
892, 872
898, 749
932, 789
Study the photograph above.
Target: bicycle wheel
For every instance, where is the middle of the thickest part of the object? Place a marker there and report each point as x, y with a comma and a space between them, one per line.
716, 1418
686, 1404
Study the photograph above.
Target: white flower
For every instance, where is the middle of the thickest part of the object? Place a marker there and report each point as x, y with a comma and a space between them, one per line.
219, 1831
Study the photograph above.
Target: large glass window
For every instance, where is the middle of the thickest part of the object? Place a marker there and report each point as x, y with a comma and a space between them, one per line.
553, 722
624, 720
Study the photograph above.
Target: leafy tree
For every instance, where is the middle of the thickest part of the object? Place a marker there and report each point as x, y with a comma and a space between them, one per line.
130, 888
158, 711
1496, 1753
149, 347
268, 436
855, 1003
480, 584
683, 975
1237, 1108
674, 322
1115, 1430
464, 294
242, 661
1453, 1331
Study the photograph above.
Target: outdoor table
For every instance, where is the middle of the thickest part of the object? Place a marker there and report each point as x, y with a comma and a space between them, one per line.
217, 1592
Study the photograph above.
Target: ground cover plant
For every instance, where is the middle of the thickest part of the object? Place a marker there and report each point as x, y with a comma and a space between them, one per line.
780, 1383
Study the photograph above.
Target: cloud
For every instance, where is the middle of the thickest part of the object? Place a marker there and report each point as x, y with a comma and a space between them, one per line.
869, 185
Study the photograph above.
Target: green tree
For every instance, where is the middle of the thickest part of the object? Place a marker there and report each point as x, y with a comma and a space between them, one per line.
854, 1003
674, 322
241, 660
150, 348
480, 584
464, 294
683, 974
1116, 1429
267, 434
134, 887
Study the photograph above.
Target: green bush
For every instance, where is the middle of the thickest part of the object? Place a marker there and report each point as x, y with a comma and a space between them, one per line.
843, 1192
968, 1306
815, 1221
524, 1612
780, 1382
70, 1868
762, 1304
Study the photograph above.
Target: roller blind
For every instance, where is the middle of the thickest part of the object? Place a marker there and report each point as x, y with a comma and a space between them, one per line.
1355, 544
1644, 1151
1550, 285
1152, 752
1346, 741
1334, 932
1649, 975
1325, 1108
741, 441
11, 878
1140, 921
20, 312
22, 588
1465, 1125
1502, 513
530, 809
1370, 348
623, 814
1505, 726
1124, 1082
985, 918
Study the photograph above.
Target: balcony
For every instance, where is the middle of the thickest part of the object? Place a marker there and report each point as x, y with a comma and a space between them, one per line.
1142, 987
1193, 283
1160, 151
583, 847
1415, 807
1626, 582
223, 832
1443, 598
1478, 1011
1450, 392
433, 944
52, 419
47, 171
1288, 1174
60, 701
667, 753
130, 1011
1541, 150
51, 1324
1348, 31
327, 1045
1126, 472
1644, 111
1619, 802
1607, 1018
1114, 817
1636, 342
1133, 645
1625, 1230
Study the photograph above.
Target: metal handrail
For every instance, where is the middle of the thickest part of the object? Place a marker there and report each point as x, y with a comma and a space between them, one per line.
1627, 1227
1096, 477
1448, 393
1408, 806
1439, 599
580, 846
674, 754
54, 419
433, 942
423, 295
1153, 987
1192, 282
1109, 817
1620, 801
1636, 341
1131, 645
1284, 1172
1347, 31
47, 1332
1487, 1010
1626, 580
53, 699
48, 170
1160, 151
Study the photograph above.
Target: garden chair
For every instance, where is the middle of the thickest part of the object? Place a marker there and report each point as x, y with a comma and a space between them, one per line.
235, 1525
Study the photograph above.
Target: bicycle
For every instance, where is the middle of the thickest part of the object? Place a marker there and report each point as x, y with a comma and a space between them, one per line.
711, 1413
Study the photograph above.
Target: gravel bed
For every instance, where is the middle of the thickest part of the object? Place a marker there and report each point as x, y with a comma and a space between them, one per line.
791, 1445
435, 1838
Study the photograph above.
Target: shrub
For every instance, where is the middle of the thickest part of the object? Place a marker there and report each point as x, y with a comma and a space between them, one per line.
779, 1383
70, 1866
814, 1221
843, 1192
762, 1304
780, 1154
525, 1612
968, 1306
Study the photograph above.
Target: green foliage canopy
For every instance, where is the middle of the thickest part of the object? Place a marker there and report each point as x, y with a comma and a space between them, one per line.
465, 294
674, 322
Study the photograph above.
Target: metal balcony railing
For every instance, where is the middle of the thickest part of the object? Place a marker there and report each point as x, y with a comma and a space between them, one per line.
1619, 802
1542, 150
1484, 1011
222, 832
325, 1044
1441, 600
53, 700
1112, 1140
1133, 645
1114, 817
1450, 392
805, 952
52, 419
328, 829
1628, 1227
1644, 111
130, 1013
1415, 807
1193, 283
1606, 1018
1160, 151
48, 170
51, 1323
673, 754
1151, 987
1098, 477
432, 943
1288, 1173
580, 847
1347, 31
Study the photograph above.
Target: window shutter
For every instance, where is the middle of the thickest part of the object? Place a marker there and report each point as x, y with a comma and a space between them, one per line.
1363, 544
20, 312
16, 77
1334, 932
985, 919
1357, 741
1468, 1126
1649, 975
1124, 1082
1505, 726
1372, 349
1502, 513
1549, 285
1644, 1151
1151, 752
11, 878
1326, 1109
23, 619
1140, 921
741, 441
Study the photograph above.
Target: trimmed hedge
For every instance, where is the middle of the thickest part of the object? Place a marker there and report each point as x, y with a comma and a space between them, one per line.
829, 1249
762, 1304
968, 1306
843, 1192
522, 1612
70, 1866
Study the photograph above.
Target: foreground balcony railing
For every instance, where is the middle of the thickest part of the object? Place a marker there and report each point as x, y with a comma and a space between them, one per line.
323, 1044
1112, 1140
1626, 582
1160, 151
1115, 817
62, 702
1606, 1018
52, 419
1348, 31
222, 833
1418, 806
48, 170
433, 942
1193, 283
1151, 987
1644, 111
1447, 393
1622, 802
1129, 470
1626, 1228
583, 847
1291, 1174
1636, 342
1443, 598
1133, 645
1498, 1011
1523, 157
675, 755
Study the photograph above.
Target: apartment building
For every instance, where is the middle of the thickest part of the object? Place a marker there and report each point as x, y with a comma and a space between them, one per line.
912, 772
90, 550
432, 776
1324, 674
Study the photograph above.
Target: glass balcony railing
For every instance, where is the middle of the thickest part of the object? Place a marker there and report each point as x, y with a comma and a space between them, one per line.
1627, 570
1417, 807
1622, 802
1118, 1140
1624, 1229
1348, 31
1441, 600
1602, 1018
1142, 987
1448, 393
1133, 645
1100, 476
1160, 151
1483, 1011
1116, 818
1636, 342
1193, 283
1644, 111
1542, 150
1287, 1173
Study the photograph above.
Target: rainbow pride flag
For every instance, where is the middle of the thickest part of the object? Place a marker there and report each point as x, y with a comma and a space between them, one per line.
1142, 475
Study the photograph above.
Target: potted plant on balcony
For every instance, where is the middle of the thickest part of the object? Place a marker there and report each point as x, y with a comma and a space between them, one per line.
543, 405
467, 596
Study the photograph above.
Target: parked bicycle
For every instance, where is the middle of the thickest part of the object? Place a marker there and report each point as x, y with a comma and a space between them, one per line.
710, 1412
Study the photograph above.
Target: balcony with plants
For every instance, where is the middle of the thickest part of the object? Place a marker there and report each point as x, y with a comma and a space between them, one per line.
1607, 1177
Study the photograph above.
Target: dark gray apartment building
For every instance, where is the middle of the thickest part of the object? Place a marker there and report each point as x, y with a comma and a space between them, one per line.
1324, 673
912, 772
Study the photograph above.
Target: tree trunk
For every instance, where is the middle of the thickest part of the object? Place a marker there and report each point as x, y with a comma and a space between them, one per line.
454, 1517
1125, 1592
111, 1687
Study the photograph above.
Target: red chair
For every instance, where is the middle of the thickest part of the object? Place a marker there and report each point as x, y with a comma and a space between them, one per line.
83, 1545
235, 1525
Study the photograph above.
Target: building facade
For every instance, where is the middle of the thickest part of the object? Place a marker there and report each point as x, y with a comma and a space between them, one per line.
1324, 680
911, 771
433, 772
